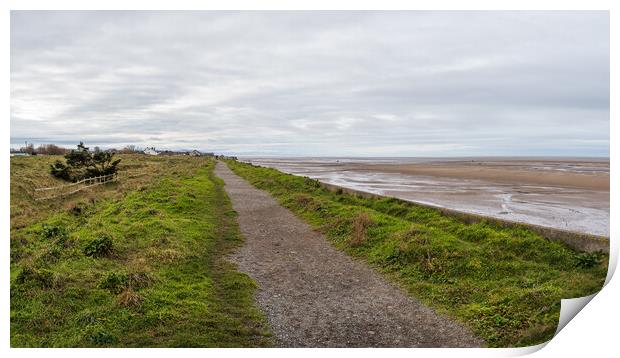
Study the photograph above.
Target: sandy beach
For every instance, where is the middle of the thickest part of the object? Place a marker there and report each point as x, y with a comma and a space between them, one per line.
569, 174
565, 193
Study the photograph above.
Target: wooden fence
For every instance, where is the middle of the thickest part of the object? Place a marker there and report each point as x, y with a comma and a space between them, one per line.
68, 189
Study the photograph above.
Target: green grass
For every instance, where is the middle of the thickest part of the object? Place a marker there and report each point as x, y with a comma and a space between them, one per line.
29, 173
142, 267
504, 283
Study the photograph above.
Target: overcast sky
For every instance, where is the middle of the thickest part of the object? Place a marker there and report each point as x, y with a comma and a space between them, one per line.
314, 83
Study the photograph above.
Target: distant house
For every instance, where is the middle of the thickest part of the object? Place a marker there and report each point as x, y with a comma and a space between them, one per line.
151, 151
195, 153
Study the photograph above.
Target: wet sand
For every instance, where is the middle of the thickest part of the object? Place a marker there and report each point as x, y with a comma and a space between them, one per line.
579, 175
565, 193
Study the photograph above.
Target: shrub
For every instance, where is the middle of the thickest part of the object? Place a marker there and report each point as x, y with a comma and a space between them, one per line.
57, 240
313, 183
82, 163
51, 254
588, 259
61, 171
100, 337
50, 231
98, 247
308, 202
303, 199
78, 208
115, 282
37, 277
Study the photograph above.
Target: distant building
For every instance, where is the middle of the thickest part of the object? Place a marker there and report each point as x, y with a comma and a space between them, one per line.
195, 153
151, 151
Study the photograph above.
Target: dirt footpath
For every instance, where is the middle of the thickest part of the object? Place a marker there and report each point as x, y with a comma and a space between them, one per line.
317, 296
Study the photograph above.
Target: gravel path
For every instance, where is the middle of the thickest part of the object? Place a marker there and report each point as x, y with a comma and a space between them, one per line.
317, 296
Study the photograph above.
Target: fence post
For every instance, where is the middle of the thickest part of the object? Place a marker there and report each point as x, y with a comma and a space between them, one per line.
64, 190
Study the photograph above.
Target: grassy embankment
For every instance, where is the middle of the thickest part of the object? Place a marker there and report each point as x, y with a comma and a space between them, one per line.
505, 283
140, 262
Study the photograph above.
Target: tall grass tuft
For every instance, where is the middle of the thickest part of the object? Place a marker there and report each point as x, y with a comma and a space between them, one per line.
361, 223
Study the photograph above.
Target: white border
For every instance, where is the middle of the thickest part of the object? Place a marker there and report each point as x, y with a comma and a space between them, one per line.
592, 332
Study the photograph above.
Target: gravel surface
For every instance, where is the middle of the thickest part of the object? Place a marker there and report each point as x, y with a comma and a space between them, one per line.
317, 296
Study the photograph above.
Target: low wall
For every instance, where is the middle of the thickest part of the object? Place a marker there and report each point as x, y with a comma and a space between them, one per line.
576, 240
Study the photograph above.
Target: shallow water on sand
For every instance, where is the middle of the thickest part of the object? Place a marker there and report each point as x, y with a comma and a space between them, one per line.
574, 209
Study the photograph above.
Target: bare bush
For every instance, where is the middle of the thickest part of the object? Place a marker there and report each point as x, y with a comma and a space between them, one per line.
51, 149
129, 149
129, 298
361, 223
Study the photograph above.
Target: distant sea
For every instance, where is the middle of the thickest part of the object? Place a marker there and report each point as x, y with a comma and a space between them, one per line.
553, 206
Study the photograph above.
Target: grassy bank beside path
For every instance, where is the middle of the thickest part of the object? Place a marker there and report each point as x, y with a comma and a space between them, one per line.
131, 265
505, 283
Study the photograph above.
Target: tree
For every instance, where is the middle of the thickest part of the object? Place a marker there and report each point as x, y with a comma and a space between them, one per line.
81, 163
50, 149
29, 148
129, 149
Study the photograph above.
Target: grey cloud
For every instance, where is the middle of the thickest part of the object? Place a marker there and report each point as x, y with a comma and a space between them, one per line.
315, 83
